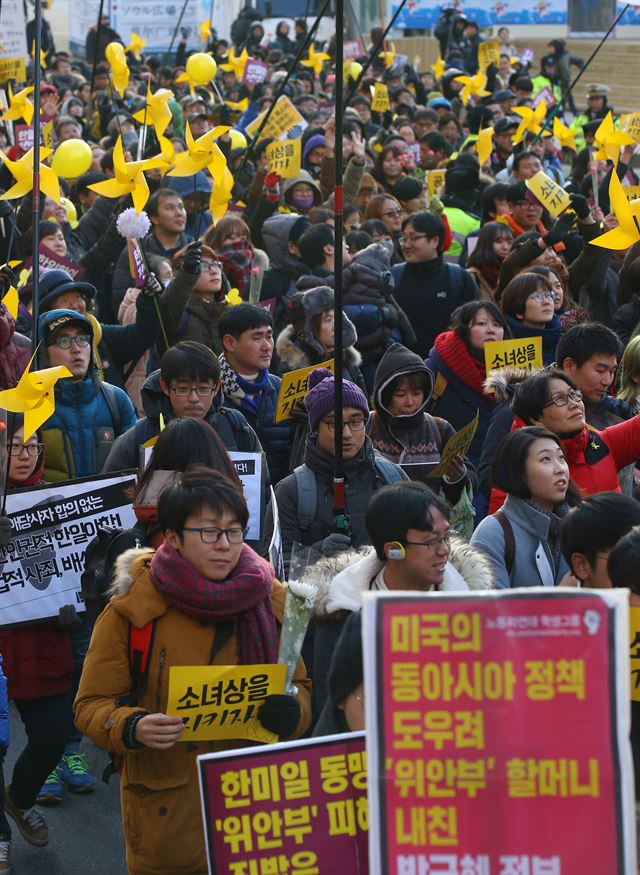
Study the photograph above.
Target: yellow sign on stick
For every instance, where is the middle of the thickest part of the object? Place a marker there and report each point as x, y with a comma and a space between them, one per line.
435, 181
293, 389
630, 124
380, 97
222, 701
283, 119
549, 193
458, 445
522, 352
285, 157
13, 68
489, 53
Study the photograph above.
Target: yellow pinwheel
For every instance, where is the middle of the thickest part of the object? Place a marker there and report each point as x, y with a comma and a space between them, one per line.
438, 68
235, 64
627, 213
233, 297
220, 196
114, 53
19, 106
240, 106
315, 60
204, 31
12, 301
43, 55
34, 396
202, 154
531, 120
156, 112
609, 141
389, 56
136, 45
564, 134
129, 177
22, 171
473, 86
484, 144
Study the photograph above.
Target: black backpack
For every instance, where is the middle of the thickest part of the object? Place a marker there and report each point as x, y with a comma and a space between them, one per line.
99, 562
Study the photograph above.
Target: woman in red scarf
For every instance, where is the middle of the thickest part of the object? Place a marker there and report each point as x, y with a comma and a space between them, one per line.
457, 364
212, 601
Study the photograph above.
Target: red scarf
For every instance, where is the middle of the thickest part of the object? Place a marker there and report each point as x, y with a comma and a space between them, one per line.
456, 356
245, 596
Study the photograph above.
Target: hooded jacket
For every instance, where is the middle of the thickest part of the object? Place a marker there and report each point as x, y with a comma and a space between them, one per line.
291, 181
159, 789
81, 432
415, 441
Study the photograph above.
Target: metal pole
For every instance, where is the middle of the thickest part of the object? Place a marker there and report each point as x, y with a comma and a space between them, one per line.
339, 503
35, 305
95, 54
374, 52
175, 32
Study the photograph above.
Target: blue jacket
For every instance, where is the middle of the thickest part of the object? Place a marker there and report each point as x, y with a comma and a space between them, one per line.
80, 433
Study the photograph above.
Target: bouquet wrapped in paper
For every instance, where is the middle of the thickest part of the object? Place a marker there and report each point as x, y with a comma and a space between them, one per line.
305, 580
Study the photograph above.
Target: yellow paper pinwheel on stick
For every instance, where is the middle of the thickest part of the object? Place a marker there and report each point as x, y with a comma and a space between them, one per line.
43, 55
628, 215
473, 86
609, 141
156, 112
438, 68
203, 153
233, 297
221, 195
12, 301
22, 171
136, 45
204, 32
484, 144
235, 64
532, 120
564, 134
33, 396
128, 178
389, 56
315, 60
20, 107
114, 53
240, 106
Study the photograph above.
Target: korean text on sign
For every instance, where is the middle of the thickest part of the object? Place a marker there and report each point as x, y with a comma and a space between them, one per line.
475, 705
223, 701
293, 389
551, 195
283, 157
522, 352
297, 807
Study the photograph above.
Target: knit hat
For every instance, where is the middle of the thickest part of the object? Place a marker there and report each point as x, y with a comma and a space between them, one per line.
312, 143
304, 305
319, 399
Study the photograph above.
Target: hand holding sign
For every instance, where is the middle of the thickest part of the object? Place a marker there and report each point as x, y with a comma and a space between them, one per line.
451, 460
158, 731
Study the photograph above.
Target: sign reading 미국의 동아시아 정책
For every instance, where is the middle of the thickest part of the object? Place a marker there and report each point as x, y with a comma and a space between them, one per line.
521, 352
309, 797
474, 704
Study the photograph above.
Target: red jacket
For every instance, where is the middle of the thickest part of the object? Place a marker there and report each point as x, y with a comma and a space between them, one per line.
37, 660
594, 458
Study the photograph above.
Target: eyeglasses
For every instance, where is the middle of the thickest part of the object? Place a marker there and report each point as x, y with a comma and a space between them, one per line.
201, 391
538, 297
212, 536
19, 449
431, 546
352, 424
393, 214
64, 341
563, 400
210, 266
526, 203
413, 239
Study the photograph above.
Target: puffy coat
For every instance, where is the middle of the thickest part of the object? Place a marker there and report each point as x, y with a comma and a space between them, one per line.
81, 432
158, 789
279, 280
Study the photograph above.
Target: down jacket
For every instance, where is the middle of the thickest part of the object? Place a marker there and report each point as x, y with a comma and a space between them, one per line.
158, 789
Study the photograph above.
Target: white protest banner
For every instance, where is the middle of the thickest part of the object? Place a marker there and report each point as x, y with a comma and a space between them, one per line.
13, 36
249, 468
41, 566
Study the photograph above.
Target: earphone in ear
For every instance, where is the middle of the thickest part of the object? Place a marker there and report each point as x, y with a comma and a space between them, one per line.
396, 551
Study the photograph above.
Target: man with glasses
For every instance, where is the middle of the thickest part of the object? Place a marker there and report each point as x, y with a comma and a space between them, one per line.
187, 384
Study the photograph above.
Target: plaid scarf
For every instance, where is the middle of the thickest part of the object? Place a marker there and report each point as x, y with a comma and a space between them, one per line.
244, 596
245, 394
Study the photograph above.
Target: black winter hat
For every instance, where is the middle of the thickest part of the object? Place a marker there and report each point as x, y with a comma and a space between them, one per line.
303, 306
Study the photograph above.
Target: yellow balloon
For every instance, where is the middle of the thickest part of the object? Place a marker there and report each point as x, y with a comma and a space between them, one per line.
238, 140
355, 69
201, 68
72, 158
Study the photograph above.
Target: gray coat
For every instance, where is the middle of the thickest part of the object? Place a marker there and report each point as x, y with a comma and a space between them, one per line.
533, 564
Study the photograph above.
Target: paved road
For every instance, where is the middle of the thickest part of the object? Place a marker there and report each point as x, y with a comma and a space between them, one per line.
85, 831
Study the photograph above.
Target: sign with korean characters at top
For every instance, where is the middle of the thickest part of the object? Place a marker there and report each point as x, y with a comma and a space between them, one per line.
551, 195
298, 807
489, 53
435, 181
284, 157
521, 352
13, 42
284, 119
497, 732
293, 389
379, 97
630, 124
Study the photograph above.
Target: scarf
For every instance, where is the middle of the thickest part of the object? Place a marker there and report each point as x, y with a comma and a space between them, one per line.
491, 273
245, 394
455, 354
555, 524
244, 596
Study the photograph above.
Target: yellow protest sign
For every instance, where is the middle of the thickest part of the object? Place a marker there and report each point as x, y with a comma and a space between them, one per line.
222, 701
284, 157
435, 181
630, 124
379, 97
489, 53
13, 68
458, 445
634, 652
549, 193
293, 389
522, 352
283, 119
631, 191
47, 134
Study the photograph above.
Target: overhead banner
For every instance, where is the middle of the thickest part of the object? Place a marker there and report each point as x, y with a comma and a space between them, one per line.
13, 41
41, 566
294, 807
488, 13
497, 733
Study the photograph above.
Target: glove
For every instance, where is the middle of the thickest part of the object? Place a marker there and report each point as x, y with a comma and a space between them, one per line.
5, 531
191, 258
224, 115
67, 618
435, 205
334, 543
560, 229
280, 714
580, 206
272, 186
151, 287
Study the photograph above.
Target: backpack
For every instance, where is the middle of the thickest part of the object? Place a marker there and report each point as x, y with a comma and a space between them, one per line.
111, 400
99, 561
308, 488
509, 540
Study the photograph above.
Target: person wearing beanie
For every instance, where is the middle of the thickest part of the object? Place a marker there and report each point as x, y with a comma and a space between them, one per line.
305, 497
313, 153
